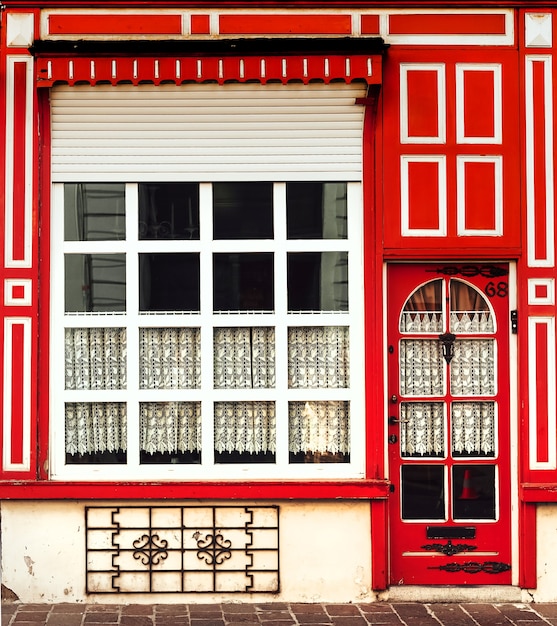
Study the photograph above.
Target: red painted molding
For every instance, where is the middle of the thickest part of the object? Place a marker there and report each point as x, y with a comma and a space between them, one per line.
447, 24
146, 24
240, 490
538, 492
264, 24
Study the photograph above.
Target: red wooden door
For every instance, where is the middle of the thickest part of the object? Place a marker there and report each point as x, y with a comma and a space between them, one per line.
448, 359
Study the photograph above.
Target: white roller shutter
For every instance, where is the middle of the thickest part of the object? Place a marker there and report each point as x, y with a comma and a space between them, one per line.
207, 132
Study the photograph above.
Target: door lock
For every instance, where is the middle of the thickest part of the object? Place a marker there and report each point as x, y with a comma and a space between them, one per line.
393, 438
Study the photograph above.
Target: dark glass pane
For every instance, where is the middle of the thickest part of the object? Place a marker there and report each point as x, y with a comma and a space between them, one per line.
243, 282
316, 210
168, 282
168, 211
94, 211
118, 457
474, 492
318, 281
169, 458
244, 457
95, 282
243, 210
423, 492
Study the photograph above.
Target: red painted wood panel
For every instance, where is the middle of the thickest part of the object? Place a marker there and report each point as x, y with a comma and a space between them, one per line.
369, 25
19, 355
423, 195
542, 382
306, 24
423, 103
128, 24
200, 25
447, 24
539, 161
18, 162
479, 102
479, 195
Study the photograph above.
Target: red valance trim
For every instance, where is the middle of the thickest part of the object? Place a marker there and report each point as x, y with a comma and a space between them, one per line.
162, 69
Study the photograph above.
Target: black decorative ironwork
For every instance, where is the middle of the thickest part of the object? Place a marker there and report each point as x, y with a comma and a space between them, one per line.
474, 567
469, 271
190, 549
213, 549
151, 549
447, 341
449, 548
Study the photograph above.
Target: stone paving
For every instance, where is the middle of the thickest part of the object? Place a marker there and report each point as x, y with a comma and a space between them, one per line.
280, 614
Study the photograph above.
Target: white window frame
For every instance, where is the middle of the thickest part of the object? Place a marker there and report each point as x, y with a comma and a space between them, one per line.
207, 320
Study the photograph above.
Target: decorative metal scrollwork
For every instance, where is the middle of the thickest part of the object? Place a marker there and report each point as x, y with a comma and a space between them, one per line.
447, 341
473, 567
487, 271
213, 549
449, 548
150, 549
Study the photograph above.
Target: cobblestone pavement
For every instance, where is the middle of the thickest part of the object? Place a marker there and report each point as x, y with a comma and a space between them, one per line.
279, 614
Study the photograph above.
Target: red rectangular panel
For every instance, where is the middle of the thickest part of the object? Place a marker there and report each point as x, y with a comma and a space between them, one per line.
80, 24
542, 452
17, 376
200, 25
423, 195
423, 103
258, 24
479, 103
538, 139
370, 25
479, 196
447, 24
18, 162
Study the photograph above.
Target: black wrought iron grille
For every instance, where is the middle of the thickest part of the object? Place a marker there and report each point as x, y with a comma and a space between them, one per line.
182, 549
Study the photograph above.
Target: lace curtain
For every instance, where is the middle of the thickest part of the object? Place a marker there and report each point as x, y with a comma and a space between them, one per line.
422, 429
319, 427
473, 428
421, 367
170, 426
473, 367
245, 427
95, 427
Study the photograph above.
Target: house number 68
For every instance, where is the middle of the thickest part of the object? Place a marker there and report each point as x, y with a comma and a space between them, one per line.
500, 289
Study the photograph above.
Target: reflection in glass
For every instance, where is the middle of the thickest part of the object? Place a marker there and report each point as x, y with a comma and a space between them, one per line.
242, 210
168, 282
423, 311
94, 211
168, 211
95, 282
474, 492
316, 210
318, 281
243, 282
423, 492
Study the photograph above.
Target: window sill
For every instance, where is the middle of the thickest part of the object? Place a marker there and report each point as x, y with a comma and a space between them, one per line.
237, 490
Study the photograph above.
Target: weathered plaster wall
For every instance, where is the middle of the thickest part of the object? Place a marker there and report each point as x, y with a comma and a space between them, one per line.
546, 538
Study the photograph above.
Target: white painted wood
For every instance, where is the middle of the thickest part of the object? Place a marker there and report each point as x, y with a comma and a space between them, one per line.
207, 132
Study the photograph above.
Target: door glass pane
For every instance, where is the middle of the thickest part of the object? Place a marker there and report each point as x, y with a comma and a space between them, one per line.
316, 210
168, 211
474, 492
95, 282
243, 210
422, 368
423, 311
168, 282
473, 367
423, 492
318, 281
94, 211
422, 429
473, 429
243, 282
470, 311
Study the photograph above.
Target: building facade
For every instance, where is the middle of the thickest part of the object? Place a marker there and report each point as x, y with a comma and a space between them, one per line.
278, 301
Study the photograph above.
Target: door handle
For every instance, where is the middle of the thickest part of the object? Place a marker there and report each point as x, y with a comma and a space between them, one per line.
393, 420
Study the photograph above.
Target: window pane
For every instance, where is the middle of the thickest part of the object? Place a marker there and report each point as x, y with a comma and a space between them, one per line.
316, 210
473, 367
319, 432
474, 492
170, 432
422, 369
168, 211
470, 312
318, 281
422, 429
243, 282
169, 358
318, 357
244, 358
94, 211
243, 210
245, 432
168, 282
95, 358
473, 428
423, 492
96, 432
95, 282
423, 311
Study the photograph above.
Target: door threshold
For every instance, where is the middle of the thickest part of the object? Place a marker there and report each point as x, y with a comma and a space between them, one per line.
450, 593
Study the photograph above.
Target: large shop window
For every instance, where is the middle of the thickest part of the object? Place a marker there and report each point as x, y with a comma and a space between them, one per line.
207, 330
